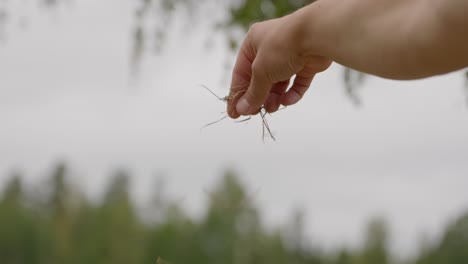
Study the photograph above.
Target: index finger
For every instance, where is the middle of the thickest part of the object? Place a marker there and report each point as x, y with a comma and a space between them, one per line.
241, 76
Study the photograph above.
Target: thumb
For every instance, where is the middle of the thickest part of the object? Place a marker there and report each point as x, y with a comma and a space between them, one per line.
256, 95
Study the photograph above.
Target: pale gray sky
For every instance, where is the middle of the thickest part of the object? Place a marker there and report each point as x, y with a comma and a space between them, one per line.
65, 93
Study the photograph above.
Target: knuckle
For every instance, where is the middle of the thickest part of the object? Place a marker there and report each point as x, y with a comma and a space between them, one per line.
321, 64
294, 64
263, 72
257, 67
252, 32
298, 94
255, 97
272, 77
253, 28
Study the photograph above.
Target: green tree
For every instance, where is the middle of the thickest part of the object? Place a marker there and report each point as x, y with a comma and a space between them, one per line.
60, 211
343, 257
20, 236
230, 217
118, 227
376, 244
453, 248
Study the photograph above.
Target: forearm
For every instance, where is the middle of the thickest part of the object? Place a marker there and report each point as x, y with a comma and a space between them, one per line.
398, 39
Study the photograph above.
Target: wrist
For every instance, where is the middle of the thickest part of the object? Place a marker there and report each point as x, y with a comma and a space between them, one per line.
308, 32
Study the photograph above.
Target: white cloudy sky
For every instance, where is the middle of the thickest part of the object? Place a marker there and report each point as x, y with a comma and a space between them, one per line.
65, 94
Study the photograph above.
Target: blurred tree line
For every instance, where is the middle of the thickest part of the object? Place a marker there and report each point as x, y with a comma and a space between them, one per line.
61, 225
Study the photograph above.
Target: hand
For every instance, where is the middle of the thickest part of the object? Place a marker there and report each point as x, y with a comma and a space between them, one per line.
268, 58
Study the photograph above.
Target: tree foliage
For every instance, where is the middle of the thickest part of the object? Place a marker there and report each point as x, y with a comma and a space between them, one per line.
63, 226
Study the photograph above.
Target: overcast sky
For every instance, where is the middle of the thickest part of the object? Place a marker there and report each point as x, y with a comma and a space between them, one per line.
65, 94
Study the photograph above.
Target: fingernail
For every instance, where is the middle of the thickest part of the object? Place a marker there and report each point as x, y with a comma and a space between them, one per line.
290, 98
243, 107
294, 98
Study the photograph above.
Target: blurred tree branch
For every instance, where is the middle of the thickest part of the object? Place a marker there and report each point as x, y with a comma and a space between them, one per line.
152, 20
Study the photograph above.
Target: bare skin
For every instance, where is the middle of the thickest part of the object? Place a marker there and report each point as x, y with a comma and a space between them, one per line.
396, 39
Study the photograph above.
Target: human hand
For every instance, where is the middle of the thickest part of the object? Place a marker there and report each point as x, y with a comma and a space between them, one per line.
269, 57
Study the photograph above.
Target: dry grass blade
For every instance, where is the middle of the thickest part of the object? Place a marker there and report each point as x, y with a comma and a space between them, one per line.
224, 99
265, 125
263, 112
214, 122
243, 120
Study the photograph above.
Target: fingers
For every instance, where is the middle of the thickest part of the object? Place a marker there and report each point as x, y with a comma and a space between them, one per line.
303, 80
273, 102
240, 77
256, 94
235, 94
298, 89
